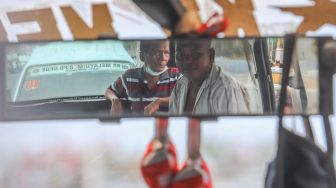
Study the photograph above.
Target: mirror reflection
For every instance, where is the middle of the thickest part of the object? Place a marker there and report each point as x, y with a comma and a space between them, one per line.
303, 88
113, 78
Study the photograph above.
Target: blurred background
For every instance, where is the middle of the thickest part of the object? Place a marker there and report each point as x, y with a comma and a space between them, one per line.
88, 153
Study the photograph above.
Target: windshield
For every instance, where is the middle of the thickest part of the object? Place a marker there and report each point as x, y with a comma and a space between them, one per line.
69, 80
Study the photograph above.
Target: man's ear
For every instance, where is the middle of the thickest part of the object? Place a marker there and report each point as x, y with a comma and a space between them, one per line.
142, 56
212, 55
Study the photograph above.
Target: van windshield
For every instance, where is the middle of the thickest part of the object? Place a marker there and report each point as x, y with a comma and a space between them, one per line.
69, 80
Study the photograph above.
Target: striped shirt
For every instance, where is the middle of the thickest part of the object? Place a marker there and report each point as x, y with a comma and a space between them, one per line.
132, 88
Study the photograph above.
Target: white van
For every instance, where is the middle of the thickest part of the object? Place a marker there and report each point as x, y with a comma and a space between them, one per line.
71, 69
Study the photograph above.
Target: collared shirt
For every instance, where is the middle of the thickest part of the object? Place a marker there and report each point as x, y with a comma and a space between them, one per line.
218, 94
132, 88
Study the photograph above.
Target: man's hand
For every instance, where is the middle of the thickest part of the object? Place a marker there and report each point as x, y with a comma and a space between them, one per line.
116, 107
152, 107
155, 105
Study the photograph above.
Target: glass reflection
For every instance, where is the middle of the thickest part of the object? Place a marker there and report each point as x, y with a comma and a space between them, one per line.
157, 77
145, 89
302, 91
204, 88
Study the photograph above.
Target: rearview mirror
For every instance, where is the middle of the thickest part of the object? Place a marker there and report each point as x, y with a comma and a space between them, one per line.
178, 77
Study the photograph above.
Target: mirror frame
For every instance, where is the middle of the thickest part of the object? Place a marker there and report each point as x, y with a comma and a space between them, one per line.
261, 54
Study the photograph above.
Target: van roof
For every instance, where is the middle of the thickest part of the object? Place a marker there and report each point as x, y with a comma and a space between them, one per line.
79, 51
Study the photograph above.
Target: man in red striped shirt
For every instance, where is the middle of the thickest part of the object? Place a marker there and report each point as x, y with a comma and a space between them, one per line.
146, 90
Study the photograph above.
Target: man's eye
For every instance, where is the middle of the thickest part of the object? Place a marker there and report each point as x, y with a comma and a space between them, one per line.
178, 55
197, 54
158, 52
154, 52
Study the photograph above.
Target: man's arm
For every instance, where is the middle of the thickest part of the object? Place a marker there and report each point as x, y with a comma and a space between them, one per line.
164, 101
116, 104
229, 100
110, 94
155, 105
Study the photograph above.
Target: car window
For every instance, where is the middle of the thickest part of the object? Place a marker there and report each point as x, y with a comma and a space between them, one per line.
303, 88
232, 56
307, 64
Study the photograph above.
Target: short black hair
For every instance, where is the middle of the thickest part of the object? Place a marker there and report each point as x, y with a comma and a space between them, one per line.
205, 42
147, 44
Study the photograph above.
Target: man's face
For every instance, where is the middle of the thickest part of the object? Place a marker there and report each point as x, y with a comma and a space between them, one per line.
194, 58
157, 56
